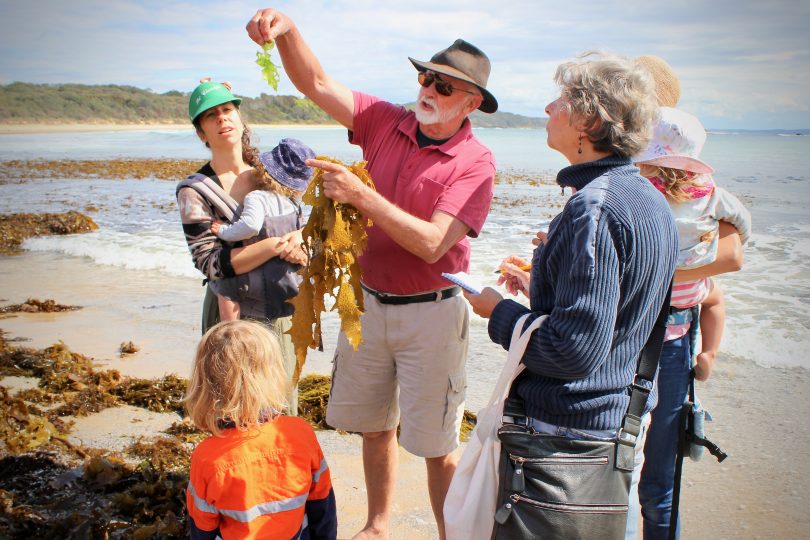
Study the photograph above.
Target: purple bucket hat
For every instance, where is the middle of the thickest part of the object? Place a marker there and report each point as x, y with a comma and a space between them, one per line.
286, 164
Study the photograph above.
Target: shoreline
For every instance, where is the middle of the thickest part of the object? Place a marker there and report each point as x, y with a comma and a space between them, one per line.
31, 129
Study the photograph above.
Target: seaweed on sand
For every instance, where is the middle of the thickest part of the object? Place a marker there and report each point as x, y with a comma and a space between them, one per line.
22, 430
127, 347
33, 305
50, 488
40, 497
313, 395
157, 395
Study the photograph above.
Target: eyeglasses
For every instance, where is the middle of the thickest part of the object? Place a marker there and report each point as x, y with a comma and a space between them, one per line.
426, 78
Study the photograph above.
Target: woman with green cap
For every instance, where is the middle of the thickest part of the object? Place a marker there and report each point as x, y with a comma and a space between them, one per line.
216, 190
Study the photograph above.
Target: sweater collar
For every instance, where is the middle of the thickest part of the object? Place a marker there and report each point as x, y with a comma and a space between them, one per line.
580, 175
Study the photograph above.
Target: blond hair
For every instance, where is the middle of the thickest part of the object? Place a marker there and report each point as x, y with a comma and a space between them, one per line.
675, 182
264, 181
238, 377
613, 97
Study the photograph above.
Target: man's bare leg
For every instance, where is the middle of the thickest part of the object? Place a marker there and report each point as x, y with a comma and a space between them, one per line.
439, 473
380, 460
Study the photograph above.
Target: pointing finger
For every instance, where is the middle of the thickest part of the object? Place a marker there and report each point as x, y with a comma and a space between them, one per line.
327, 166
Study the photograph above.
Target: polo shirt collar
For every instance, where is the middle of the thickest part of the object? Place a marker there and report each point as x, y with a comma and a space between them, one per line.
451, 146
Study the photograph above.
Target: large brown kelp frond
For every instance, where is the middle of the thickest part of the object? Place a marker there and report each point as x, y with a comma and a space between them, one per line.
334, 236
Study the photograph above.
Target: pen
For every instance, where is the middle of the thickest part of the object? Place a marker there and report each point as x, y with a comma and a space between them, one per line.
525, 268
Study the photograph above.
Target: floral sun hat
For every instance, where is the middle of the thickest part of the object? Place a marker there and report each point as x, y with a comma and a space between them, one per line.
678, 137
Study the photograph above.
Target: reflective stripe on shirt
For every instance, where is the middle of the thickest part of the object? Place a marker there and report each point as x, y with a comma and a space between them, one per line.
246, 516
317, 474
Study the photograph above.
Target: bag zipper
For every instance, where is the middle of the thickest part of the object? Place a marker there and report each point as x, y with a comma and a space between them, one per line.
566, 507
506, 510
562, 459
519, 479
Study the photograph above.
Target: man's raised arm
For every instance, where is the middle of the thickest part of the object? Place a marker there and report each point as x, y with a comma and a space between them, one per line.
301, 65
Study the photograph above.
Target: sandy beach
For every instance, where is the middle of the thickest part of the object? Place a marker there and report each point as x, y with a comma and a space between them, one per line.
759, 492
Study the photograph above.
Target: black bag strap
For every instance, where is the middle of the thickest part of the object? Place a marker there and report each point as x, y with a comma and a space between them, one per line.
681, 449
639, 393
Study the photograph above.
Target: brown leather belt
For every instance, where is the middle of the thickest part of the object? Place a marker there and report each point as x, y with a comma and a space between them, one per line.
401, 299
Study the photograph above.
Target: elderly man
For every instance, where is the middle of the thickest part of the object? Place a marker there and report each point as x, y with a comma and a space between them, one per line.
434, 184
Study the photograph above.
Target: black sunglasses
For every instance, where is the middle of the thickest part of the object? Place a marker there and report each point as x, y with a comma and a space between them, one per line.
426, 78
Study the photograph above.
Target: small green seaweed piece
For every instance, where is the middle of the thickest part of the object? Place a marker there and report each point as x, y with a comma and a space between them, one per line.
269, 69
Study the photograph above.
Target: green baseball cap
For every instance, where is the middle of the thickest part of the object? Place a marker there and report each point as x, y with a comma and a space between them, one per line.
207, 95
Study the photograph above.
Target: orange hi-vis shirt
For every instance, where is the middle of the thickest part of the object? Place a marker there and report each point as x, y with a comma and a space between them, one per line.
267, 482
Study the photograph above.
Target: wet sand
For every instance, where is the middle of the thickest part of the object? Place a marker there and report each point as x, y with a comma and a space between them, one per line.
760, 491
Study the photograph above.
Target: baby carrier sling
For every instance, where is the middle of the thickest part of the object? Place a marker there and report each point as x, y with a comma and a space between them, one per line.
263, 292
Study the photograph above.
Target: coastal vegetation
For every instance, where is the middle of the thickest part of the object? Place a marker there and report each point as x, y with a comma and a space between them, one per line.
26, 103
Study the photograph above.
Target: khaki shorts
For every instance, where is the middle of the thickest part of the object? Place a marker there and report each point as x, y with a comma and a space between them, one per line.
411, 359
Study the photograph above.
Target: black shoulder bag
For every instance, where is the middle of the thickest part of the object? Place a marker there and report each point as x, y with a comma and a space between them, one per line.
557, 487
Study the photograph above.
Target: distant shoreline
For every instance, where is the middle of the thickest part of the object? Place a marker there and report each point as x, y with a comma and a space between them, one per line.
26, 129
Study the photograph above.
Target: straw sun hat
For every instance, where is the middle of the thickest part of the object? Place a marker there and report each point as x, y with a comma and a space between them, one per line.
667, 85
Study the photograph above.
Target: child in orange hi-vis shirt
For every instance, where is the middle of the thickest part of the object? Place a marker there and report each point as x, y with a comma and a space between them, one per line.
261, 474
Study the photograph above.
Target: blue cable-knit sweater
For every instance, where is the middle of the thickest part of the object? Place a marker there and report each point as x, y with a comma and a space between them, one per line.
601, 276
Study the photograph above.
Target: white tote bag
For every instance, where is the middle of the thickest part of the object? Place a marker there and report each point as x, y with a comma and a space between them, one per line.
469, 508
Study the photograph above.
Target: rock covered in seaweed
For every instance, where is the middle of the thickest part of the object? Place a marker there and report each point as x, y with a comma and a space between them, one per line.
15, 228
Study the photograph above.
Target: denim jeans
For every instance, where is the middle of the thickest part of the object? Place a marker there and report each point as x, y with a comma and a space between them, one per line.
633, 503
658, 475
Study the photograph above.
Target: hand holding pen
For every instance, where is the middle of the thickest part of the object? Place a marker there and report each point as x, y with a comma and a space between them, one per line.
515, 275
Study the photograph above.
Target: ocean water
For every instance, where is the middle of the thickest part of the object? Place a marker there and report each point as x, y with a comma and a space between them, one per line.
768, 302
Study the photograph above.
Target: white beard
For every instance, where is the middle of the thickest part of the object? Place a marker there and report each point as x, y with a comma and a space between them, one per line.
436, 115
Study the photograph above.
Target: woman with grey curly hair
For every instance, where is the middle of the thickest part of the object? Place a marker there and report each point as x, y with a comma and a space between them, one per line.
610, 101
600, 274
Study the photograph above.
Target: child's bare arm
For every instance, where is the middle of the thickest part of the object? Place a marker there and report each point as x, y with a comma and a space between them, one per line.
729, 257
712, 322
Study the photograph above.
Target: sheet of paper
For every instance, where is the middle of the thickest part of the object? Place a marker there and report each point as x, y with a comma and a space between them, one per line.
463, 280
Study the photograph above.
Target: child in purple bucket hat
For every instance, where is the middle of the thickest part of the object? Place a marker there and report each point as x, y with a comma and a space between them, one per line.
272, 209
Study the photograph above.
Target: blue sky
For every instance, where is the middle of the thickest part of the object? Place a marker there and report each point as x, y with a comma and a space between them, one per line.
743, 64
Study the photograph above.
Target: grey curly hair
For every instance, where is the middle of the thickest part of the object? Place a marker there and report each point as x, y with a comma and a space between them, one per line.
613, 97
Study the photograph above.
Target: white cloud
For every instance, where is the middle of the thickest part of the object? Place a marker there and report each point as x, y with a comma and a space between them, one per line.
739, 61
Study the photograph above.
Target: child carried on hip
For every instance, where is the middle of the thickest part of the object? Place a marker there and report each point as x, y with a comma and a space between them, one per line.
672, 164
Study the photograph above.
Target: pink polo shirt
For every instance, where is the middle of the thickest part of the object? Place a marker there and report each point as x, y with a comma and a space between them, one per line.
456, 177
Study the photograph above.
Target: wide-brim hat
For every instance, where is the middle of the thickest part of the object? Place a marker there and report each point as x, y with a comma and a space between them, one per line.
207, 95
466, 62
667, 84
285, 163
678, 138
